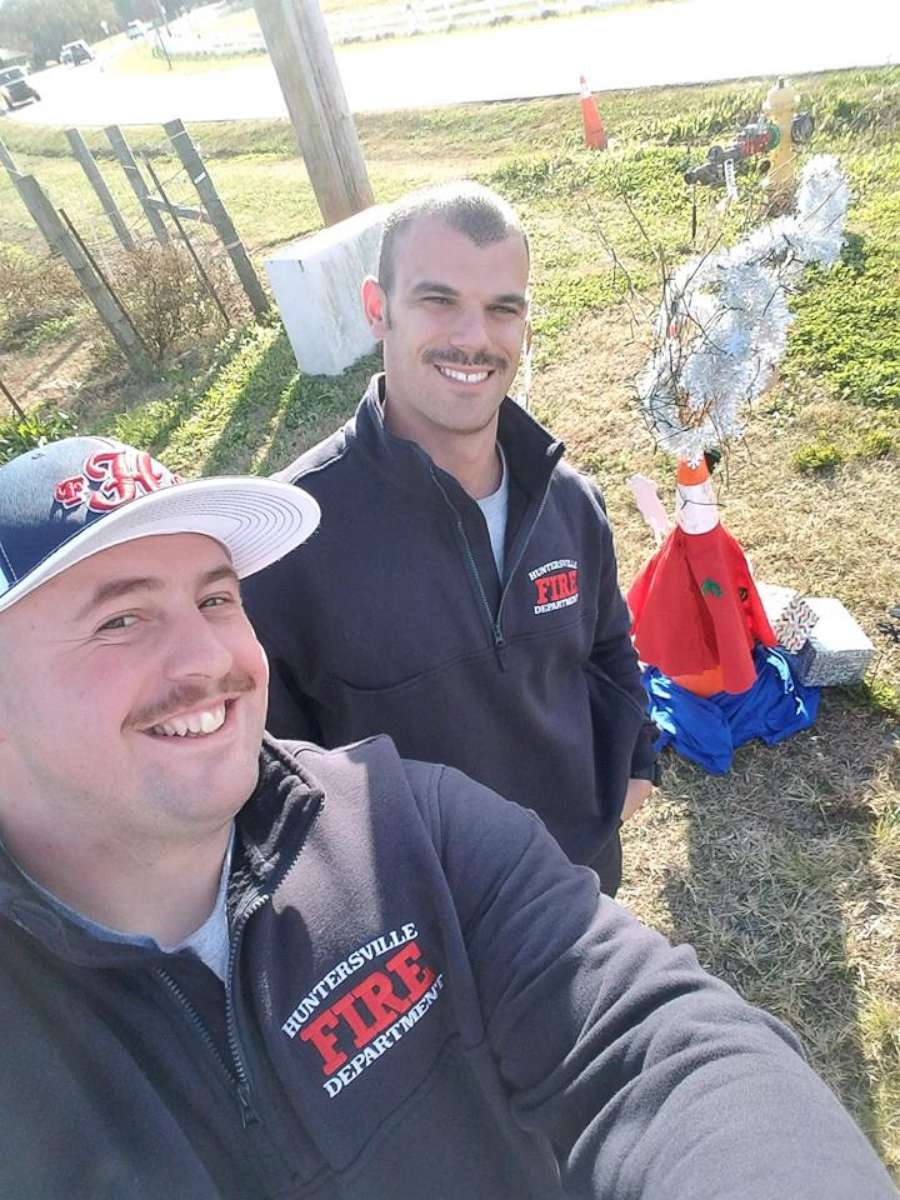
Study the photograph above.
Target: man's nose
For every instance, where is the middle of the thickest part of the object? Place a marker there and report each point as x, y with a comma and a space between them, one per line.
197, 649
469, 330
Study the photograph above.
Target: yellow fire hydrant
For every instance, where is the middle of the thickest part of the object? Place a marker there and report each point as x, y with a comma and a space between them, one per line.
781, 107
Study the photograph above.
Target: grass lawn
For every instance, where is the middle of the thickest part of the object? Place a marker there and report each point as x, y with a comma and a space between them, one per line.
785, 874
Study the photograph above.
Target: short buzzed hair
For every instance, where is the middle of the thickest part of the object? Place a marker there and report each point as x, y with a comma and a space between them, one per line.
470, 208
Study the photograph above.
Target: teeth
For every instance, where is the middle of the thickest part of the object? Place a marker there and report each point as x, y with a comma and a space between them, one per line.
464, 376
210, 722
196, 724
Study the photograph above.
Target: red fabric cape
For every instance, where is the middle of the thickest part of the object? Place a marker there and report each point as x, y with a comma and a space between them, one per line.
694, 606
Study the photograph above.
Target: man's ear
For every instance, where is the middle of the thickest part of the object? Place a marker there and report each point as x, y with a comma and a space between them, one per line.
375, 306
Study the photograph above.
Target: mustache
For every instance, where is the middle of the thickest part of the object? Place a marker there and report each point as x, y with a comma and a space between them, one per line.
191, 695
453, 356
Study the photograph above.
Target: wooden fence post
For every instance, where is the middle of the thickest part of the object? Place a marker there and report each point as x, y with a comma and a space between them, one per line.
48, 221
98, 183
6, 160
218, 213
16, 178
13, 402
122, 151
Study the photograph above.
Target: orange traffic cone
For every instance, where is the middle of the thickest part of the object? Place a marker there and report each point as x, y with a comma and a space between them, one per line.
594, 133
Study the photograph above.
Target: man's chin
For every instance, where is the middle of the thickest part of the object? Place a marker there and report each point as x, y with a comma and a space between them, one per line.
219, 788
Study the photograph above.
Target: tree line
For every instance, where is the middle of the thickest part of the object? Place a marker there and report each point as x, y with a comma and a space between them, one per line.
40, 28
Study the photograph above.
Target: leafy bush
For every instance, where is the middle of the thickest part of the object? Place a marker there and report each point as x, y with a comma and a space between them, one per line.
722, 118
877, 443
817, 457
168, 302
33, 291
40, 426
839, 115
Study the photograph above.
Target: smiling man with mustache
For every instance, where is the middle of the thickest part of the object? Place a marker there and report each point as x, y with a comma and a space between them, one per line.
134, 690
463, 585
233, 968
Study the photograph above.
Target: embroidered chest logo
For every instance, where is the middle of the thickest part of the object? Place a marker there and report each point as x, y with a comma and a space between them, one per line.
110, 478
351, 1033
555, 584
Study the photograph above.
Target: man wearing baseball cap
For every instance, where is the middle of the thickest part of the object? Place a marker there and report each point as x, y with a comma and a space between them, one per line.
237, 968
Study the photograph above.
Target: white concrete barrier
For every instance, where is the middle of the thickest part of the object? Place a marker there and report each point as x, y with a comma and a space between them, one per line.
316, 282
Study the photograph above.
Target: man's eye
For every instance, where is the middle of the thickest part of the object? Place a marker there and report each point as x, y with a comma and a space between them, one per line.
441, 300
114, 623
216, 601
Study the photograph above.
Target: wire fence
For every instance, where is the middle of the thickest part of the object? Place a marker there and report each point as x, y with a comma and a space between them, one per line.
143, 236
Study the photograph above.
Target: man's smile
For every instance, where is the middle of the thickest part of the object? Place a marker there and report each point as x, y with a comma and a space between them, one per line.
199, 723
470, 375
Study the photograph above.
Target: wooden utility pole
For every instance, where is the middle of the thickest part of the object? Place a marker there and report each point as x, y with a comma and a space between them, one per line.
297, 40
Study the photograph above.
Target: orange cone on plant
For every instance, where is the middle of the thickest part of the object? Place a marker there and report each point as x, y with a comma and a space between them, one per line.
594, 133
697, 614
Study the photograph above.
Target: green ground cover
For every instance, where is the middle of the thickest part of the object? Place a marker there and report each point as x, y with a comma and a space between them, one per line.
783, 874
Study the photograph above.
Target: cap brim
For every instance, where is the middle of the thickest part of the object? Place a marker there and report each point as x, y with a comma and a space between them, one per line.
258, 521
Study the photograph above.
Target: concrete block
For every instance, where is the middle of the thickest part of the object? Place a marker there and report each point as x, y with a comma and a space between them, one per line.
775, 599
316, 283
837, 651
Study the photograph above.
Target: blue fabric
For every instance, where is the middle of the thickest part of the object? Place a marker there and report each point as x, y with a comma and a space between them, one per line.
707, 731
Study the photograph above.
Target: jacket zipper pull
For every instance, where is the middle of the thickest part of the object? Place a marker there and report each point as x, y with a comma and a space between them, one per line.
248, 1115
499, 644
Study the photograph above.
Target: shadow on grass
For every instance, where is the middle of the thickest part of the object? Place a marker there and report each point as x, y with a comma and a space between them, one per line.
779, 852
316, 406
56, 355
239, 407
145, 412
253, 398
275, 412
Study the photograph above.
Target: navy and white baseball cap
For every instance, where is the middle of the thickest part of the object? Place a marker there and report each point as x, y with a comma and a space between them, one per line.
67, 500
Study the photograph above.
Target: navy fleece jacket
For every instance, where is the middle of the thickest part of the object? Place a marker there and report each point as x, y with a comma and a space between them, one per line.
392, 619
424, 999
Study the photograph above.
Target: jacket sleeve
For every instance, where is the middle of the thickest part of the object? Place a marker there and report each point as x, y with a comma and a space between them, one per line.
613, 652
651, 1079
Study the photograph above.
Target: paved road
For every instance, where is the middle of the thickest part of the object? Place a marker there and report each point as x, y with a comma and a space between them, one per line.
694, 41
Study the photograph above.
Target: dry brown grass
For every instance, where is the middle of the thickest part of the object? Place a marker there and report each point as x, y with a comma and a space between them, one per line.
784, 874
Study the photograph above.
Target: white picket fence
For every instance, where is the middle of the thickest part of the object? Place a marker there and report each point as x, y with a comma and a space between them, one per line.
439, 16
391, 20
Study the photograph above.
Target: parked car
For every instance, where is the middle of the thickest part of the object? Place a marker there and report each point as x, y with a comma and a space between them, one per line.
76, 53
15, 88
136, 29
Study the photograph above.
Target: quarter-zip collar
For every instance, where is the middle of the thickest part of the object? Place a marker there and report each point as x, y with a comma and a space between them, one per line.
271, 829
531, 451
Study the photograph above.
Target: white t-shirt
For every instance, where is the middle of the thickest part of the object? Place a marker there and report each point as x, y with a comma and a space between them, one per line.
494, 508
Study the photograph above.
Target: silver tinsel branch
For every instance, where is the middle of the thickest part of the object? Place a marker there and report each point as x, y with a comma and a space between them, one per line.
723, 322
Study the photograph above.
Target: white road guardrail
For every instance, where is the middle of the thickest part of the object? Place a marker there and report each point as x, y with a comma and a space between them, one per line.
390, 21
